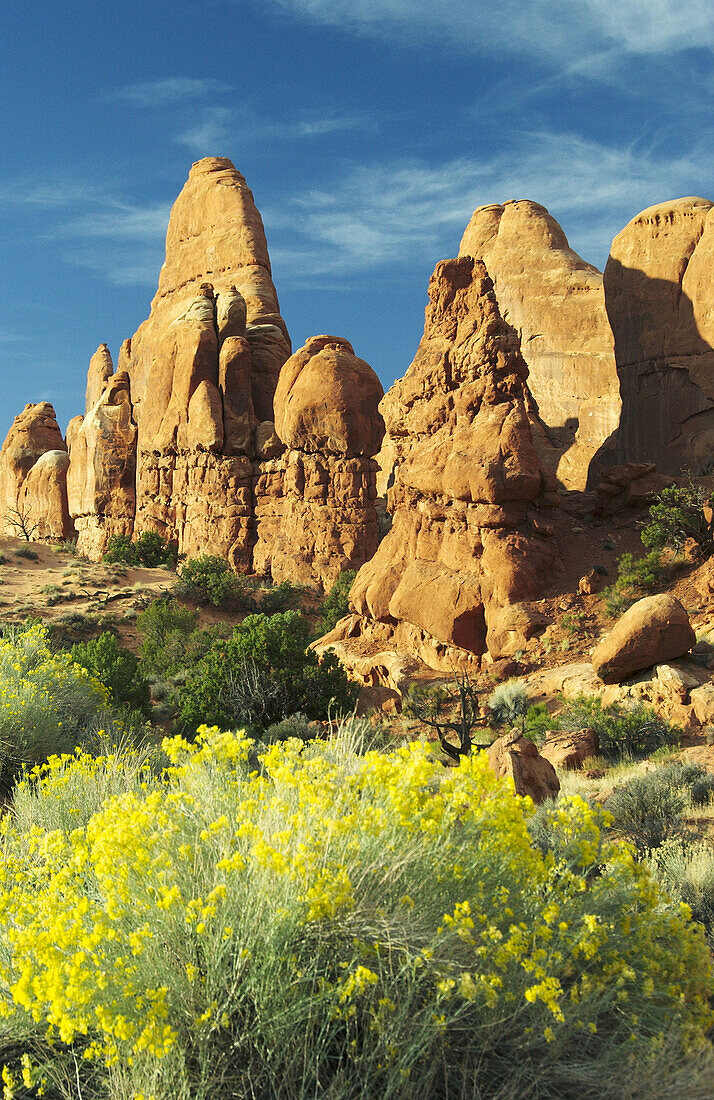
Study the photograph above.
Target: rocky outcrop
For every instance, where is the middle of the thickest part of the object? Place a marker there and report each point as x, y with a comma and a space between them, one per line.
464, 546
203, 369
315, 503
660, 302
33, 477
170, 442
556, 303
570, 749
101, 368
517, 758
102, 470
652, 631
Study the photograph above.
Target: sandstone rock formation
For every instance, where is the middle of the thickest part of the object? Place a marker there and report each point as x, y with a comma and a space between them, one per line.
101, 479
315, 503
514, 756
33, 476
556, 303
203, 369
654, 630
169, 443
463, 548
660, 302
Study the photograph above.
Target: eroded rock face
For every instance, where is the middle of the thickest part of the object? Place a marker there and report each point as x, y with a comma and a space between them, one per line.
660, 302
33, 476
315, 503
654, 630
102, 468
203, 369
463, 548
556, 303
190, 411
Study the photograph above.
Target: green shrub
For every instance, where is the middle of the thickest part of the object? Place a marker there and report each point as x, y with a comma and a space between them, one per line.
540, 721
262, 674
336, 603
686, 870
334, 925
648, 809
149, 550
509, 704
677, 515
28, 553
635, 578
295, 725
624, 729
210, 580
281, 597
115, 667
167, 629
48, 703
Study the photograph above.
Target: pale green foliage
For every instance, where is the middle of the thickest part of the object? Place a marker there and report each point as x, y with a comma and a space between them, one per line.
48, 703
509, 704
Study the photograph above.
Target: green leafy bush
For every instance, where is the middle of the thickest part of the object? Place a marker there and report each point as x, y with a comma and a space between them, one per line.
677, 515
262, 674
171, 640
635, 578
117, 668
509, 704
149, 550
336, 603
48, 703
281, 597
210, 580
540, 721
179, 936
624, 729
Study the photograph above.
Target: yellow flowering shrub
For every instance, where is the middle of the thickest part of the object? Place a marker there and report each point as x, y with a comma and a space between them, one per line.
316, 923
46, 701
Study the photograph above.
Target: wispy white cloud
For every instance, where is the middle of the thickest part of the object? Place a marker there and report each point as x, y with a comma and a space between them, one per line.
209, 133
551, 29
172, 90
316, 125
395, 214
118, 221
215, 128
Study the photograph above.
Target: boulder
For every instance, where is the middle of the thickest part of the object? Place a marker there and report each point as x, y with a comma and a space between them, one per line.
659, 297
315, 501
653, 631
556, 303
514, 756
463, 549
569, 749
702, 699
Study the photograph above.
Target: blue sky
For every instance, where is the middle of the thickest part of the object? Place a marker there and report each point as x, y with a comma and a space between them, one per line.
368, 130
